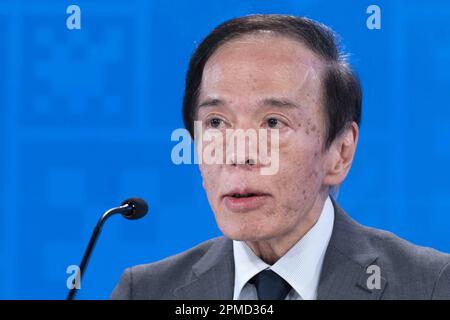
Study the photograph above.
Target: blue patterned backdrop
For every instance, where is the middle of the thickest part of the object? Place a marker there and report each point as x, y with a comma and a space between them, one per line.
87, 116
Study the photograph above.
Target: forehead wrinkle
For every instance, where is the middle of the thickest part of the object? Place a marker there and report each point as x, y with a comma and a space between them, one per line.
304, 80
280, 102
211, 102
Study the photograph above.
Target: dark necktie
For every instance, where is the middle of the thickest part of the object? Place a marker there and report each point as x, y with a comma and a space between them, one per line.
270, 286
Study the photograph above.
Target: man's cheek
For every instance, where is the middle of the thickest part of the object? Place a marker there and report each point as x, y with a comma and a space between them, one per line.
206, 176
290, 158
294, 167
211, 177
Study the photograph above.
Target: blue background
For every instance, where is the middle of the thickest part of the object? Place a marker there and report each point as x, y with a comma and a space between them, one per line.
87, 115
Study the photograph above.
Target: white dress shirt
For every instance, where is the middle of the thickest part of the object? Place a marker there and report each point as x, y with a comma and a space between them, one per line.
300, 266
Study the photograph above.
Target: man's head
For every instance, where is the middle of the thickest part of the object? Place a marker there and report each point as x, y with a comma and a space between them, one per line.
285, 73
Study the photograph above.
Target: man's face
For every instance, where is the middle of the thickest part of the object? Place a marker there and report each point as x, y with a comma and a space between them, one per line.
265, 81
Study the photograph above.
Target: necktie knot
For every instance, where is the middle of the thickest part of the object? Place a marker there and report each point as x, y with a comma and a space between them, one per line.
270, 286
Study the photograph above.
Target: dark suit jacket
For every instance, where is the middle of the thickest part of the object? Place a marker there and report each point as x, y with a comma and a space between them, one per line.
207, 270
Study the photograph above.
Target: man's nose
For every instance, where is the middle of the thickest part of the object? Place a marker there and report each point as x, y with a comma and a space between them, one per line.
242, 151
248, 160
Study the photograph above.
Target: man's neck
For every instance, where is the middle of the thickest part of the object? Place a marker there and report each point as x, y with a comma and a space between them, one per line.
271, 250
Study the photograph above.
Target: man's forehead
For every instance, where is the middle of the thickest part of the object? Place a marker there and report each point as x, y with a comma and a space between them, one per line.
262, 70
266, 47
276, 88
262, 63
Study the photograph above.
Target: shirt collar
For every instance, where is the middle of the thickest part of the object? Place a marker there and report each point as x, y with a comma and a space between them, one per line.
300, 266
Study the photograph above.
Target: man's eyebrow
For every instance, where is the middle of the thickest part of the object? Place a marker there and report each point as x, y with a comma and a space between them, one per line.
211, 102
272, 102
281, 102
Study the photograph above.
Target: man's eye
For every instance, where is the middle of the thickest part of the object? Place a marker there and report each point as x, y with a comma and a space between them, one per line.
273, 123
215, 122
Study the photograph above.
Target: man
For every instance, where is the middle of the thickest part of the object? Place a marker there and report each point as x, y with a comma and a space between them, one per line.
285, 237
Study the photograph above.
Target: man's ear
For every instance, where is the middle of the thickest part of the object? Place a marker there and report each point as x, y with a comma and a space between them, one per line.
340, 155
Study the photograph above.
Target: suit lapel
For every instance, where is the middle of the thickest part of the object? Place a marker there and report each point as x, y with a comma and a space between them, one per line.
349, 254
342, 278
213, 274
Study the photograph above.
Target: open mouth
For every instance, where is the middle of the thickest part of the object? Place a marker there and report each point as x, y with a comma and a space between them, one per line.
245, 200
244, 195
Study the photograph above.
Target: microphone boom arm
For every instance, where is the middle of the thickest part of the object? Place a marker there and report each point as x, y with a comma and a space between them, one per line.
125, 210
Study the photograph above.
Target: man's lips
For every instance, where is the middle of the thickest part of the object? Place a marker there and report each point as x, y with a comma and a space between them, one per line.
243, 200
244, 192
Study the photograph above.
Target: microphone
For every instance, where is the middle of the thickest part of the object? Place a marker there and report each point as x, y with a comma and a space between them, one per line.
132, 209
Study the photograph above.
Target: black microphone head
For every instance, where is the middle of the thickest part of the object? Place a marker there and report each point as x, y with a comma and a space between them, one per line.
139, 210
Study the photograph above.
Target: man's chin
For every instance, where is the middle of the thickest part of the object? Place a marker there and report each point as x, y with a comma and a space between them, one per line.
246, 234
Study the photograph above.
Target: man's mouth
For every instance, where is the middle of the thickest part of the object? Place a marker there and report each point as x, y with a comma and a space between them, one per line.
245, 200
243, 195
